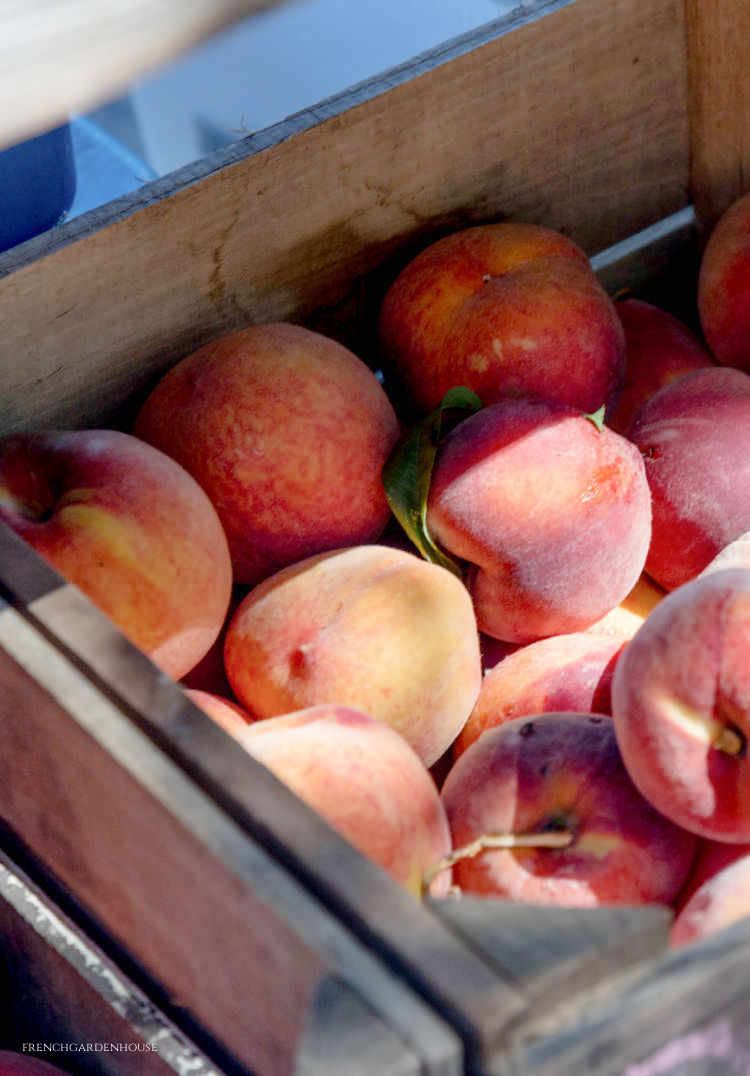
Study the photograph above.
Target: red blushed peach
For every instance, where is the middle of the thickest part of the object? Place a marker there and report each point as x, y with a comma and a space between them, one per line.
502, 308
130, 528
551, 514
370, 627
693, 436
724, 287
559, 776
659, 348
710, 858
225, 712
365, 780
681, 706
564, 672
721, 900
287, 431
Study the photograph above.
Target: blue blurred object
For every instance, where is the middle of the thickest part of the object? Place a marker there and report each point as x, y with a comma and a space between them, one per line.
106, 168
37, 185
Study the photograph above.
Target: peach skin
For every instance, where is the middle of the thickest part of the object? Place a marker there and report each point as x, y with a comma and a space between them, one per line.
504, 308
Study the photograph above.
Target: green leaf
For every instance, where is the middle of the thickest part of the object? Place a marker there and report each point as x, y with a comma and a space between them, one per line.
597, 417
408, 472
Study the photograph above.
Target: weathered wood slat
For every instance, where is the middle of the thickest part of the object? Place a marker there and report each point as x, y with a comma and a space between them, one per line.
61, 991
718, 35
315, 215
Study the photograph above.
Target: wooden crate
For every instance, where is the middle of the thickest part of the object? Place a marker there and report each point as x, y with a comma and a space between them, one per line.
66, 1002
625, 124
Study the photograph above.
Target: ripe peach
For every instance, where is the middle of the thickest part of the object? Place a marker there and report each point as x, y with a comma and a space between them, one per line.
681, 706
710, 858
560, 777
501, 308
659, 348
563, 672
724, 287
721, 900
287, 431
365, 780
130, 527
552, 515
223, 711
370, 627
693, 436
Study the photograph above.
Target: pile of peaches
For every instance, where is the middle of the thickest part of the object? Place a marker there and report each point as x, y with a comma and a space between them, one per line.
501, 642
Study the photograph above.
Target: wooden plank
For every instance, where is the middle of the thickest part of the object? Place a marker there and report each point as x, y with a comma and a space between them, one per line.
242, 950
62, 992
552, 953
540, 117
688, 1012
102, 708
718, 34
56, 58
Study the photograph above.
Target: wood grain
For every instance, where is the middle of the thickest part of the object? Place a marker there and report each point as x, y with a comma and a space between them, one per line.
718, 34
56, 58
60, 988
195, 902
541, 116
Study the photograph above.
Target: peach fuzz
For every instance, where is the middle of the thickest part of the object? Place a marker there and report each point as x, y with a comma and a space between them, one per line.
130, 528
564, 672
720, 901
659, 349
370, 627
225, 712
507, 307
551, 515
681, 706
560, 775
287, 431
734, 555
15, 1064
365, 780
693, 436
724, 287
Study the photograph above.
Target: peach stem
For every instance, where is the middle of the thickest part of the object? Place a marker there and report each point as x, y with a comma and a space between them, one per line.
559, 838
729, 741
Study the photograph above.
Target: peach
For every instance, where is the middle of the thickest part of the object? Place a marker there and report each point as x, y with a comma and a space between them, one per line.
559, 778
551, 513
130, 527
710, 858
370, 627
223, 711
693, 436
287, 431
724, 287
504, 308
563, 672
681, 706
626, 618
659, 349
721, 900
734, 555
365, 780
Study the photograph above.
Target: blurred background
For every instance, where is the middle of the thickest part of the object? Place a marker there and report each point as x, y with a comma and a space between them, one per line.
263, 69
